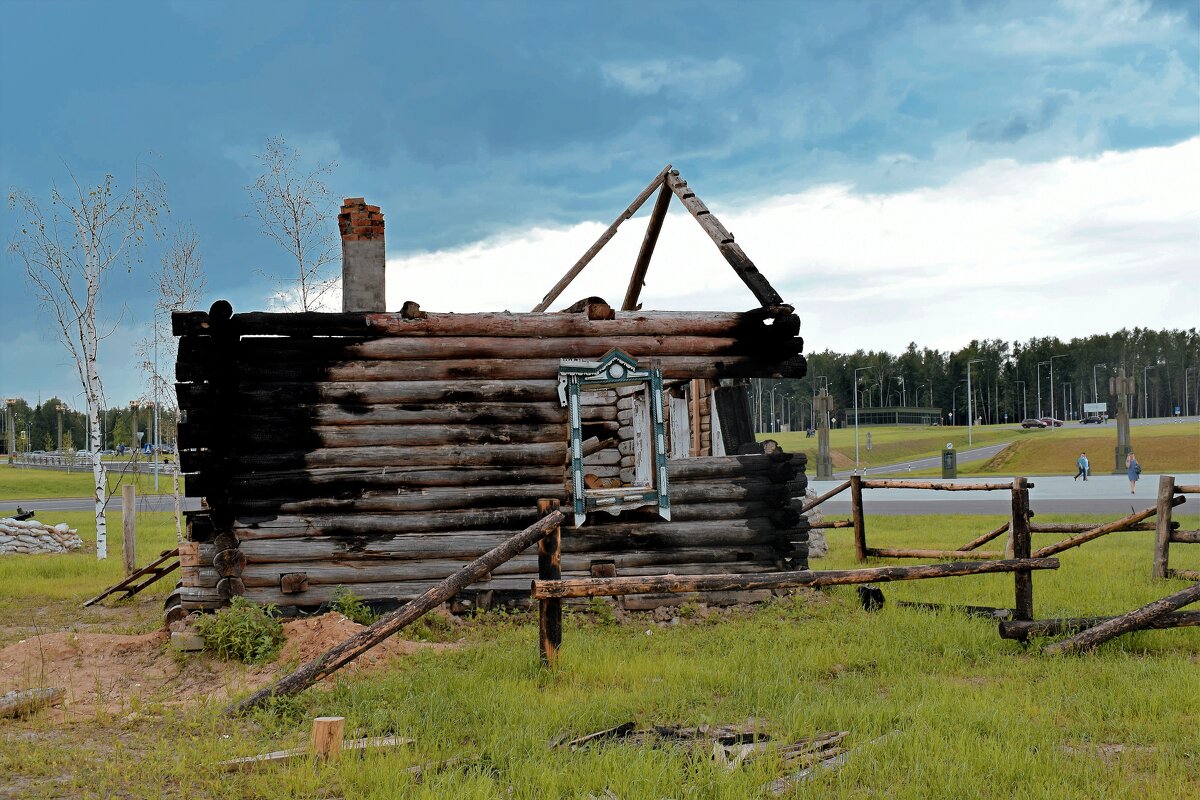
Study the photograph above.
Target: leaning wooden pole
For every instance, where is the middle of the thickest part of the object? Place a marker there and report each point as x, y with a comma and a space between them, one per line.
636, 281
674, 584
987, 537
609, 233
1162, 538
336, 658
1101, 530
816, 501
550, 568
1025, 629
1134, 620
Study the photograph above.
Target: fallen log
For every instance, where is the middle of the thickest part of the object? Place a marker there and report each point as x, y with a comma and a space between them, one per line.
832, 523
611, 587
1080, 527
1026, 629
337, 657
1100, 530
1134, 620
23, 703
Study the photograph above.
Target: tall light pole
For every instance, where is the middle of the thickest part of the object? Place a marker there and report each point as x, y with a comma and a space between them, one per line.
1024, 408
1145, 393
970, 412
902, 395
1095, 393
1052, 386
1039, 382
855, 387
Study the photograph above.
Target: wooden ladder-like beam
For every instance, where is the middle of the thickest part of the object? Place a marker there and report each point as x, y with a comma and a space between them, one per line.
155, 570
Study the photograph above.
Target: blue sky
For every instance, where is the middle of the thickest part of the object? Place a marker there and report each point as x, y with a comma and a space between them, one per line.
506, 134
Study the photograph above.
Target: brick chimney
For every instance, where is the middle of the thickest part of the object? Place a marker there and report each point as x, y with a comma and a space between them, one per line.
363, 256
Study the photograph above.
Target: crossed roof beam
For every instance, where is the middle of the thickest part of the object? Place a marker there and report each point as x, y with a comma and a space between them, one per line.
668, 184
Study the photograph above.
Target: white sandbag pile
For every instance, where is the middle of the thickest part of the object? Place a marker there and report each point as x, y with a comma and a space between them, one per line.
31, 536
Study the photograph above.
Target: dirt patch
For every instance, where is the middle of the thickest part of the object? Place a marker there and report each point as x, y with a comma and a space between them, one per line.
111, 674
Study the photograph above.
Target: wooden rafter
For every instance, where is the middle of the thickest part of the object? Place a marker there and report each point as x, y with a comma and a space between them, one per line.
586, 258
653, 228
733, 253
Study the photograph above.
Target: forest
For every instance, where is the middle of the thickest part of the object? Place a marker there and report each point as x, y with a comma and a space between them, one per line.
35, 427
1009, 381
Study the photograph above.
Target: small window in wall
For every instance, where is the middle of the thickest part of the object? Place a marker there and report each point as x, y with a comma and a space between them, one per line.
615, 370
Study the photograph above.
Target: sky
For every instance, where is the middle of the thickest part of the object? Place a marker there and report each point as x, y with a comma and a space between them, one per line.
934, 172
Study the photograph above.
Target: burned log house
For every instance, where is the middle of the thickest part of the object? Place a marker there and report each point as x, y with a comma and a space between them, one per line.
382, 451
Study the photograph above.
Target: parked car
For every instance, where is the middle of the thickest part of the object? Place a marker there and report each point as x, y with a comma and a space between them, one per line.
1092, 420
1032, 423
1051, 422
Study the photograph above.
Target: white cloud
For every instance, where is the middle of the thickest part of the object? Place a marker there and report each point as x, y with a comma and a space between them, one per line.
686, 75
1067, 248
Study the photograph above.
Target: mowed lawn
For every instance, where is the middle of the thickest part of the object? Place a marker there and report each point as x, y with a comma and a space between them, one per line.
1168, 447
17, 483
966, 714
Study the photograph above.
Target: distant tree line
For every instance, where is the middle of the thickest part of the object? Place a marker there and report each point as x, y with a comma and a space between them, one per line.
35, 427
1009, 381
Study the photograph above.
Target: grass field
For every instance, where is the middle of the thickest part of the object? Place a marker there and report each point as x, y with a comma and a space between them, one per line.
19, 484
976, 716
1169, 447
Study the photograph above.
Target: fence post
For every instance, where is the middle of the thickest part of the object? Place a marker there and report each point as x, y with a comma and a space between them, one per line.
129, 527
860, 524
550, 568
1162, 539
1021, 546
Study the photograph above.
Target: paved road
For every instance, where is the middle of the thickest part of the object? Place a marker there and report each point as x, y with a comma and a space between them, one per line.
151, 502
964, 457
1101, 494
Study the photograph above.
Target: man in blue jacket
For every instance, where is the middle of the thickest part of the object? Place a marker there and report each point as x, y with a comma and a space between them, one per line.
1081, 464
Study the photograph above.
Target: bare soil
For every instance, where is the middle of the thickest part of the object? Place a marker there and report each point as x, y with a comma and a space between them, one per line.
106, 674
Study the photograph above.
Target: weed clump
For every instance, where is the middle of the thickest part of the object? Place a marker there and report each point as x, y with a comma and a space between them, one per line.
351, 606
244, 631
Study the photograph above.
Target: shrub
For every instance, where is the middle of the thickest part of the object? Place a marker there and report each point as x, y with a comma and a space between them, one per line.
350, 606
244, 631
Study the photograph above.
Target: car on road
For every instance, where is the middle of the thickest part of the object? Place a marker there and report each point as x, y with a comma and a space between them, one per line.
1092, 420
1051, 422
1032, 423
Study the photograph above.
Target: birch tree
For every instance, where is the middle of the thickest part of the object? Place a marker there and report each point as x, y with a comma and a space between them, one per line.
180, 283
68, 251
294, 207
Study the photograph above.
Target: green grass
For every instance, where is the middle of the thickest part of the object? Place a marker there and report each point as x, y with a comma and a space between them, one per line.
977, 716
20, 484
1166, 447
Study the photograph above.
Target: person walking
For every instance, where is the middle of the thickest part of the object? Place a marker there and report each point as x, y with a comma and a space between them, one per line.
1133, 470
1081, 464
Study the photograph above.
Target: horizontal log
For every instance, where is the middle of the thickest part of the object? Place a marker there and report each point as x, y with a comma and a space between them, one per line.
489, 455
477, 413
267, 437
832, 523
352, 574
625, 323
717, 491
988, 612
610, 587
579, 551
1184, 574
961, 555
392, 500
333, 478
25, 702
243, 375
684, 469
334, 524
410, 348
1187, 488
1185, 537
937, 486
354, 396
1026, 629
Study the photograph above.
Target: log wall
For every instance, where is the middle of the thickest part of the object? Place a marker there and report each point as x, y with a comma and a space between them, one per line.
381, 452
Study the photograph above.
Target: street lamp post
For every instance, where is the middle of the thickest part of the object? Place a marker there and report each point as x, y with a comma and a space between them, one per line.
772, 426
1145, 393
12, 429
970, 412
1052, 386
1039, 387
855, 387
